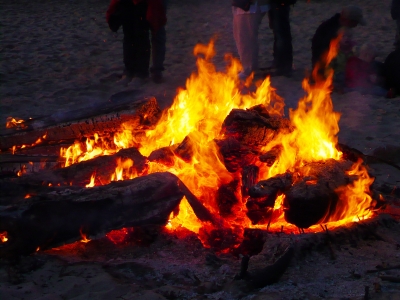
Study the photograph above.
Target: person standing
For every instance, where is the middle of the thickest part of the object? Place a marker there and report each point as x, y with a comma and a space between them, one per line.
349, 17
395, 12
158, 43
247, 16
137, 18
279, 22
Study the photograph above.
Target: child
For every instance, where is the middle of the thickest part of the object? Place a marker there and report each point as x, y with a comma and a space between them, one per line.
137, 18
364, 73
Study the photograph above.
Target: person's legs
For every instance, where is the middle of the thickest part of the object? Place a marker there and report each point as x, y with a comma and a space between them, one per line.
142, 41
245, 30
158, 44
283, 49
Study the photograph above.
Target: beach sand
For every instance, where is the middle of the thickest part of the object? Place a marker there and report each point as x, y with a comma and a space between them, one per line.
58, 56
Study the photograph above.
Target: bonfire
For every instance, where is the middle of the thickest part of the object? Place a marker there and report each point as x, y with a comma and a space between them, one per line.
230, 161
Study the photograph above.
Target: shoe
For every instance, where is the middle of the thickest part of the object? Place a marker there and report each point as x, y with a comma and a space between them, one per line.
157, 77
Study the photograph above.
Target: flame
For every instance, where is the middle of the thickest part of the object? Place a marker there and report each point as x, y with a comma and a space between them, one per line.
355, 198
38, 141
124, 170
27, 196
3, 237
185, 218
15, 122
84, 237
91, 183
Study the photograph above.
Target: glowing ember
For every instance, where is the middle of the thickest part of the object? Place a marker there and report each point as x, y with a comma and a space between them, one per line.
119, 236
3, 237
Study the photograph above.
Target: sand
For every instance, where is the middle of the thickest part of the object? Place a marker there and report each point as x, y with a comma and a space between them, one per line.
60, 55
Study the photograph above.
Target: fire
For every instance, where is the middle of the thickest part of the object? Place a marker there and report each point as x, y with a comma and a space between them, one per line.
38, 141
185, 218
193, 122
84, 237
124, 170
3, 237
15, 123
91, 183
356, 197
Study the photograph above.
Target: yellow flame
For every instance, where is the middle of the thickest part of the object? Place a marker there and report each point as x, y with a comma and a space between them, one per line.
92, 181
3, 237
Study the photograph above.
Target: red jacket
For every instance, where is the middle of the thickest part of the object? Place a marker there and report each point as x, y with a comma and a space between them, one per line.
358, 73
156, 14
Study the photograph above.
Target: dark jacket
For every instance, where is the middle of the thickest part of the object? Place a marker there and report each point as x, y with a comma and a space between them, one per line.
395, 9
321, 40
118, 13
391, 69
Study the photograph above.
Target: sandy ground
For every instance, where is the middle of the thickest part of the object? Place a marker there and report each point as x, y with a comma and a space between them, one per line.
60, 56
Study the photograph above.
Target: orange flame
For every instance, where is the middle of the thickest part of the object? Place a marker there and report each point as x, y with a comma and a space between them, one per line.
124, 170
15, 122
84, 237
91, 183
3, 237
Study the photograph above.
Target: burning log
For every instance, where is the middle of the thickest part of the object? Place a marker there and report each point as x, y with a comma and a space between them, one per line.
310, 196
49, 220
227, 197
75, 175
81, 123
254, 127
312, 199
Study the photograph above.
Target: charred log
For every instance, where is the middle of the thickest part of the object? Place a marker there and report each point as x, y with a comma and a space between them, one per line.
249, 178
226, 197
79, 174
254, 127
82, 123
263, 195
312, 199
163, 156
271, 156
49, 220
236, 156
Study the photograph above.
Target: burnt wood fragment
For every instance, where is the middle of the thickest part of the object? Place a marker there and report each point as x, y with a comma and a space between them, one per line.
50, 220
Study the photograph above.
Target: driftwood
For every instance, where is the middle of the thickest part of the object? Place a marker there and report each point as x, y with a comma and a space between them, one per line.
82, 123
49, 220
